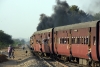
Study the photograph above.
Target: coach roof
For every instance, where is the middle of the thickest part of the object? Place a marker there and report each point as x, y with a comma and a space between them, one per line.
76, 26
43, 31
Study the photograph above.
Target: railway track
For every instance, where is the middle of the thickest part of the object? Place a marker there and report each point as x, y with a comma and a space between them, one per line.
56, 63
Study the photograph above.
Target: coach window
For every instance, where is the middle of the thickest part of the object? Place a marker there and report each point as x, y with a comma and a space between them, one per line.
72, 40
94, 40
87, 40
65, 40
76, 40
60, 40
82, 40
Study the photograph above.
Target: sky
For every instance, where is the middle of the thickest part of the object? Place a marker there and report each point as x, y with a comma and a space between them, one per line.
20, 18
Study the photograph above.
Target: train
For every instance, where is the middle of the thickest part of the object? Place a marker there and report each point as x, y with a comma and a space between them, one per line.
74, 40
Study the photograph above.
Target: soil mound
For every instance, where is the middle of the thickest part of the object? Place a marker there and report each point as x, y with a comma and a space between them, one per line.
3, 58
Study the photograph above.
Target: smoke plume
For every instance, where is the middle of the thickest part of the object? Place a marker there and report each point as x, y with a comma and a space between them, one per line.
63, 15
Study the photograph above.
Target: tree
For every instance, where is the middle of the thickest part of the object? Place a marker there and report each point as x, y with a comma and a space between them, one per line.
5, 39
22, 41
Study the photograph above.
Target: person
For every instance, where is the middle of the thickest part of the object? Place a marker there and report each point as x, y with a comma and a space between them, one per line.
13, 52
26, 52
9, 51
70, 57
90, 57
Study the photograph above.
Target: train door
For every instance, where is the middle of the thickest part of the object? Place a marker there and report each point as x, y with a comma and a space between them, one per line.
47, 43
98, 53
55, 42
93, 44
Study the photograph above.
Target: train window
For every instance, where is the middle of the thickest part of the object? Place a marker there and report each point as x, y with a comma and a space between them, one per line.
72, 40
45, 41
65, 40
78, 40
60, 40
75, 40
82, 41
86, 40
94, 40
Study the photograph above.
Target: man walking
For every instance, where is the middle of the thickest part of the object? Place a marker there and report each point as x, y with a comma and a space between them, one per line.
9, 51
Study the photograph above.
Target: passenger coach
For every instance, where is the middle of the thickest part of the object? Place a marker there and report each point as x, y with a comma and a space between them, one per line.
64, 41
78, 39
43, 41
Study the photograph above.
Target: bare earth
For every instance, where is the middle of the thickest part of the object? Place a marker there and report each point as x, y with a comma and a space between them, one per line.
20, 60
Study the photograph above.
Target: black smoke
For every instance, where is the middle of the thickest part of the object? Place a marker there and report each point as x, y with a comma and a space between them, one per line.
63, 15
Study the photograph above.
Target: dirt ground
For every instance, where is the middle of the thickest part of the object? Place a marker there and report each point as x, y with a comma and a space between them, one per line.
20, 57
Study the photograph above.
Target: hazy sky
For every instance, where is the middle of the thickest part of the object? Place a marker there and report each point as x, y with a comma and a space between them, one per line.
20, 18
